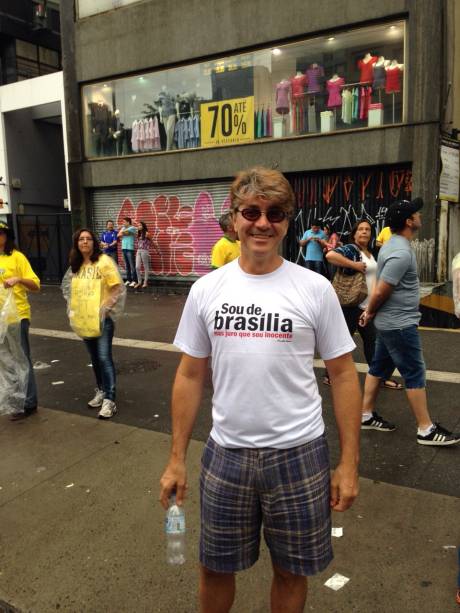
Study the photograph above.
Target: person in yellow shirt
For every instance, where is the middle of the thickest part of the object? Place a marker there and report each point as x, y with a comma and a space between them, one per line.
384, 236
227, 248
95, 295
16, 272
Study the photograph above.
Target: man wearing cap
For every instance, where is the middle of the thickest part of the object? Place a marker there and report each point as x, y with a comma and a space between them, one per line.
394, 307
16, 272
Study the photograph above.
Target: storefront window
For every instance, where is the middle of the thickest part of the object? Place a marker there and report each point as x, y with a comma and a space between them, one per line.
352, 79
92, 7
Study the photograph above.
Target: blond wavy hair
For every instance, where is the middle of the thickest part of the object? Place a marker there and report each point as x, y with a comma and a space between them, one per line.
265, 183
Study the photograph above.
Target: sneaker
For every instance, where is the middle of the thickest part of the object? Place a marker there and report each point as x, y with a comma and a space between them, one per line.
439, 437
132, 284
96, 402
109, 408
377, 423
127, 282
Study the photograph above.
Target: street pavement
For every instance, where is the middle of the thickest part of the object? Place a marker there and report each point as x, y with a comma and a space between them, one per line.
81, 528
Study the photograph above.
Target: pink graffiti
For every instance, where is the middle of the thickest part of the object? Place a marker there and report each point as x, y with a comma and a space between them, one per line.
182, 234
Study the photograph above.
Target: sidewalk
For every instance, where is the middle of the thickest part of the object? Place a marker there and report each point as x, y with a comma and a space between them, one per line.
81, 531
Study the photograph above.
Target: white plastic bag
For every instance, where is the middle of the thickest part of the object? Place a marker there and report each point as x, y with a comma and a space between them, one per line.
14, 367
90, 300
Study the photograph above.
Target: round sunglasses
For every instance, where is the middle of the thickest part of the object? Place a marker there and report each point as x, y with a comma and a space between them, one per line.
273, 215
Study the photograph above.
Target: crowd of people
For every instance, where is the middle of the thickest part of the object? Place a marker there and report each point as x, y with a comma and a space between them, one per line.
258, 320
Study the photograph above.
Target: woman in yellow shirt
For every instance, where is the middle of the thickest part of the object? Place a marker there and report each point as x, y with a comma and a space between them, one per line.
95, 297
16, 272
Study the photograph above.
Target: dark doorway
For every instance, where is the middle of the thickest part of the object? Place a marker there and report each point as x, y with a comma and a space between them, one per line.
46, 241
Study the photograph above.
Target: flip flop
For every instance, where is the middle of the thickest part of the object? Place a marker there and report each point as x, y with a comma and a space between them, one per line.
326, 380
395, 386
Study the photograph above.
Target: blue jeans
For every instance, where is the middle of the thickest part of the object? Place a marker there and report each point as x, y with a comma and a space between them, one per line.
316, 266
31, 394
100, 351
128, 256
400, 348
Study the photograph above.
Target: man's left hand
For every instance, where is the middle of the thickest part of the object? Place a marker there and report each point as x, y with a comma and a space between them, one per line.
11, 282
344, 487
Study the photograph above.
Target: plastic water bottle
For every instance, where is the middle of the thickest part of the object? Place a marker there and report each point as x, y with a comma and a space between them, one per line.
175, 533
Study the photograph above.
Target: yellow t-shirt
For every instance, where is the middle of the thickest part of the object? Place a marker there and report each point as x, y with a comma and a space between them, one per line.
385, 235
90, 288
224, 251
17, 265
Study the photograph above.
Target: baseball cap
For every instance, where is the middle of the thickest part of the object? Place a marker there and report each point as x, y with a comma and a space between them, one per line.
401, 210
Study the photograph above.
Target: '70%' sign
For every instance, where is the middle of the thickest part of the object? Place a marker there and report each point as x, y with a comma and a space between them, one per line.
228, 122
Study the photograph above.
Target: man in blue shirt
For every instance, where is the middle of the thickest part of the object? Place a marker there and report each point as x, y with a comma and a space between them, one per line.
128, 233
315, 241
109, 240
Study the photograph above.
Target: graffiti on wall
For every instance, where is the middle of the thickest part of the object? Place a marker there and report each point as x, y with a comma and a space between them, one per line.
182, 234
342, 198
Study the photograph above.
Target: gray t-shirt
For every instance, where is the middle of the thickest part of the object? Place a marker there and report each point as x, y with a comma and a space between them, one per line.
397, 266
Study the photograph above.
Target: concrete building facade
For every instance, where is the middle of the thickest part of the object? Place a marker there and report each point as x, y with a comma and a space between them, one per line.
340, 170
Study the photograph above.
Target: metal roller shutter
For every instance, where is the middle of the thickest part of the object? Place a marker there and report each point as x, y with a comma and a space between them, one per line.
183, 219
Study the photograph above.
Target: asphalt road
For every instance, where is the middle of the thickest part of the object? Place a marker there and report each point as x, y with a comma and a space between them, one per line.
145, 377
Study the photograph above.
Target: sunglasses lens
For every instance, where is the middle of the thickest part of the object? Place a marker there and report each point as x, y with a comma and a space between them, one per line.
251, 214
276, 215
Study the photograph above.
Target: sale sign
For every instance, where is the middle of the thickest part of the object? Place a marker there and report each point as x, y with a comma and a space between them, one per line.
228, 122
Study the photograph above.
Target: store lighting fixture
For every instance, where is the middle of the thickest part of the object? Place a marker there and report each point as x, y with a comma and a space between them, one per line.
331, 38
276, 51
141, 79
392, 27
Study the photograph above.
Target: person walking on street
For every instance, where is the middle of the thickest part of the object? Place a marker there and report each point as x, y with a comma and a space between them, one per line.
357, 256
315, 242
128, 233
259, 319
227, 248
144, 240
383, 236
394, 307
16, 273
109, 241
95, 295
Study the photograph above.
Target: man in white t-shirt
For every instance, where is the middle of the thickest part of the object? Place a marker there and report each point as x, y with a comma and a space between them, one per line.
259, 319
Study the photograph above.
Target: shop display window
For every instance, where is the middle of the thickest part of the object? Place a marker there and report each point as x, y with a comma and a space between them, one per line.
86, 8
351, 79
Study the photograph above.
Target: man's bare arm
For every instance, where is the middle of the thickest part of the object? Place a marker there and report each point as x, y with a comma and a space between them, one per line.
346, 397
186, 398
382, 291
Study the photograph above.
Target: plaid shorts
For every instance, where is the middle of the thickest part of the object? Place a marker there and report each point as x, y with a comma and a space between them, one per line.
285, 490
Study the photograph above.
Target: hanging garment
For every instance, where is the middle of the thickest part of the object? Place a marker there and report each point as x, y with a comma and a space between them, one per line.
347, 103
269, 122
365, 97
196, 130
312, 116
355, 104
134, 136
299, 85
156, 134
141, 135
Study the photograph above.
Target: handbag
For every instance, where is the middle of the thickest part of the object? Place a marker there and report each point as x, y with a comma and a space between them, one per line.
351, 290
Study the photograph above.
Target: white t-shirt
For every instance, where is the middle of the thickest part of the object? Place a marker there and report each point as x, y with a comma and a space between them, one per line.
261, 331
371, 274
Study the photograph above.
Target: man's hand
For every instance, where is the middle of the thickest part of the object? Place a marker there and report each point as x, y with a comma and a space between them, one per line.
365, 318
11, 282
344, 487
174, 479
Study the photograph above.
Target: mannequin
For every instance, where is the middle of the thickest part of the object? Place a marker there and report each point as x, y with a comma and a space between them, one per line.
366, 68
100, 124
393, 77
298, 88
380, 73
334, 87
283, 97
167, 115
